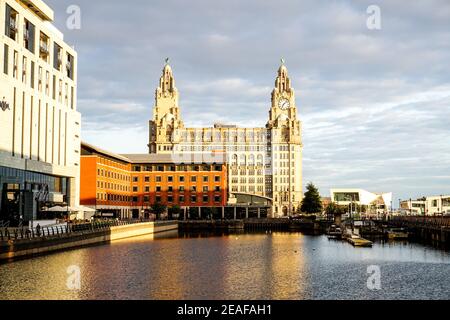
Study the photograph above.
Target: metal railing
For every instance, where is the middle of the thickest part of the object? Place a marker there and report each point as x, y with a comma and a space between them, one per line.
9, 233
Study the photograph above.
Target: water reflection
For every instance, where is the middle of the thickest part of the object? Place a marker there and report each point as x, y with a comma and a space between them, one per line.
232, 266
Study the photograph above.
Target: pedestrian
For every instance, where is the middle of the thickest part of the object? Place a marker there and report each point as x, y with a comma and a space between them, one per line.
38, 230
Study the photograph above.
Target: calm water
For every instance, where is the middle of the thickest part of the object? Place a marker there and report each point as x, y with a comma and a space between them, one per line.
245, 266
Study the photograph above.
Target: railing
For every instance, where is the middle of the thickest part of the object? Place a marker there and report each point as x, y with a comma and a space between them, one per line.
423, 221
9, 233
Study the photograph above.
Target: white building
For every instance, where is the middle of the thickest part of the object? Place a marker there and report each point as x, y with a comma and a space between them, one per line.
413, 207
264, 161
362, 201
438, 205
39, 122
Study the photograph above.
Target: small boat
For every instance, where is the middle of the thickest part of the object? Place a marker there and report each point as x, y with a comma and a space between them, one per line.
396, 234
357, 241
334, 232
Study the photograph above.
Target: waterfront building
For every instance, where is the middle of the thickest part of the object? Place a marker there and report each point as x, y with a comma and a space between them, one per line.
438, 204
39, 122
126, 186
413, 207
362, 201
264, 161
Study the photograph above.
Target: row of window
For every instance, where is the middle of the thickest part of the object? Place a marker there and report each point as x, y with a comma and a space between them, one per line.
146, 199
113, 175
244, 180
29, 42
60, 90
175, 168
180, 189
180, 179
259, 189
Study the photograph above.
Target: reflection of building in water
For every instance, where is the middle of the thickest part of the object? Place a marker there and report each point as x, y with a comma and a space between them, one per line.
40, 127
262, 161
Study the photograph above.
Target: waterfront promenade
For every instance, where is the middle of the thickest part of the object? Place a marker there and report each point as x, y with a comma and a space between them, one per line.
21, 242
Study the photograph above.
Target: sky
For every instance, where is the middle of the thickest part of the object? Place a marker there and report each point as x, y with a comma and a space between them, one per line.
374, 103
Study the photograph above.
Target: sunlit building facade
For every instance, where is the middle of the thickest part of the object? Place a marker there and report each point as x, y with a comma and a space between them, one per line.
362, 201
39, 122
264, 161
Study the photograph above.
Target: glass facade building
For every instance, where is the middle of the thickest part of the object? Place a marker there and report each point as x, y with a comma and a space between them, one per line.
24, 194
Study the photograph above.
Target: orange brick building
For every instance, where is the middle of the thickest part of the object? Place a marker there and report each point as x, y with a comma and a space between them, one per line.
126, 186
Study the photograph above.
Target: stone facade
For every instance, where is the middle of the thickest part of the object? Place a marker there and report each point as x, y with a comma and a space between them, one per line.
265, 161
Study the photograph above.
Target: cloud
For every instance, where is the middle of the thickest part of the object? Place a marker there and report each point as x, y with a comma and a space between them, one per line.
374, 104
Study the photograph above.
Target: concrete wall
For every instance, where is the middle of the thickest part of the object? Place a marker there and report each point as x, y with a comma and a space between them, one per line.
27, 248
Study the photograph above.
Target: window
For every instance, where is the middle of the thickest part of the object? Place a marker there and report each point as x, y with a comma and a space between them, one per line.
43, 47
170, 189
15, 62
32, 75
11, 22
158, 179
158, 199
205, 198
40, 79
57, 56
193, 198
135, 179
169, 179
24, 69
147, 189
216, 188
28, 36
160, 168
135, 199
147, 179
181, 199
135, 189
136, 168
70, 66
181, 178
169, 198
217, 179
193, 188
205, 189
181, 189
146, 198
217, 199
193, 179
5, 59
158, 188
205, 179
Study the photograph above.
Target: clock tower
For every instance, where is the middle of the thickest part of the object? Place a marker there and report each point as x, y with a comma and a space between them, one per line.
286, 146
166, 122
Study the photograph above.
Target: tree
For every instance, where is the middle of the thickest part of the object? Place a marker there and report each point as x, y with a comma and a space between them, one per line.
333, 210
158, 209
311, 203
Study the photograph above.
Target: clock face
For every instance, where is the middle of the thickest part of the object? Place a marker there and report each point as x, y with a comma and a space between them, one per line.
284, 104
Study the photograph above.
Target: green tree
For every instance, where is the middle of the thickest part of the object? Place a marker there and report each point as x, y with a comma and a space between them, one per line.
333, 210
311, 202
158, 209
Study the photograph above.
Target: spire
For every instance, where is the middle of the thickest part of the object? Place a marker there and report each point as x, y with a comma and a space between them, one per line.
167, 81
283, 83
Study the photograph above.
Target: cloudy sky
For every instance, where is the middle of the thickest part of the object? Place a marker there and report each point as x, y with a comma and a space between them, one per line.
375, 104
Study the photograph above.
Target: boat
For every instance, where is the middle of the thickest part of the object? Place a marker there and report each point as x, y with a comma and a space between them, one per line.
334, 232
396, 234
357, 241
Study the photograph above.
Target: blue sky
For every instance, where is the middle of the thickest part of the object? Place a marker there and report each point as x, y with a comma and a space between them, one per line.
375, 104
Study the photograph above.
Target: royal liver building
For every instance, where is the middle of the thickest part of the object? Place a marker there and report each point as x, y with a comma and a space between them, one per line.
265, 162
